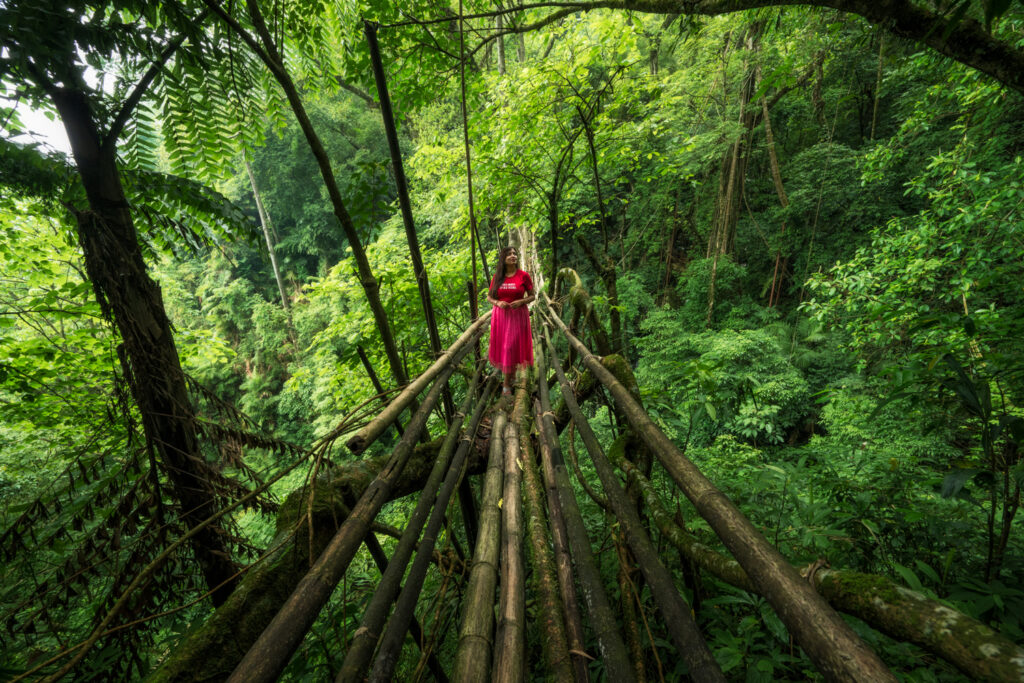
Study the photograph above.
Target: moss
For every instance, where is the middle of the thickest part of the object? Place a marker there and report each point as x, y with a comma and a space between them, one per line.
835, 585
617, 451
622, 371
907, 615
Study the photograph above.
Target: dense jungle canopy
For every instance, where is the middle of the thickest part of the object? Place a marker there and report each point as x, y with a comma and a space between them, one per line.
245, 428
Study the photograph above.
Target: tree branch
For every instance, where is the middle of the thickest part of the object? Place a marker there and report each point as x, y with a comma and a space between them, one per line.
964, 40
358, 92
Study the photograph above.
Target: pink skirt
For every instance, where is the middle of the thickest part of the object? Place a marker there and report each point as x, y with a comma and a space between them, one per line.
511, 339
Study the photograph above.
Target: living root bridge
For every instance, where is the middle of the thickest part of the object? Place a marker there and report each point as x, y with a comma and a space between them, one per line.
489, 650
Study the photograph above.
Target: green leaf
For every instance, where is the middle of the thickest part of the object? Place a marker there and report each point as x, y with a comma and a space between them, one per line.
955, 481
909, 577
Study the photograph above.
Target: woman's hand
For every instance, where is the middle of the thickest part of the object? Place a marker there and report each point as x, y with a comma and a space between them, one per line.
504, 304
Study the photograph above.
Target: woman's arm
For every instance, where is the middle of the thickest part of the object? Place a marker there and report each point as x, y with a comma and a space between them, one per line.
525, 300
496, 302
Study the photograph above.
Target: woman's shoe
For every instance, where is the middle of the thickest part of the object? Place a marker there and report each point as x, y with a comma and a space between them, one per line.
506, 391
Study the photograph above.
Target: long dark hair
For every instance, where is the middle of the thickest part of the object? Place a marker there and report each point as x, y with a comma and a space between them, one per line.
499, 274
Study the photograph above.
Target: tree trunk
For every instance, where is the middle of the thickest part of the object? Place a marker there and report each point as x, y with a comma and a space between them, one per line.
267, 229
501, 45
732, 176
553, 227
132, 300
780, 190
966, 39
605, 268
402, 187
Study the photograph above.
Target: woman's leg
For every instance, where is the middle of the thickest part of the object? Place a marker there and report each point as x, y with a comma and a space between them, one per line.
506, 385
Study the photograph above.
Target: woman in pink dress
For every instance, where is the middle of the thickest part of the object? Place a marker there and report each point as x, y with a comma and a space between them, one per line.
511, 339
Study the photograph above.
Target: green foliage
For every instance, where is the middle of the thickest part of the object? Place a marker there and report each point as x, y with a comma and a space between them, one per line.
878, 426
739, 378
56, 353
694, 285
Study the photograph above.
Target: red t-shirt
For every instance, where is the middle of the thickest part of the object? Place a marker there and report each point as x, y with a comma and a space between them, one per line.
515, 286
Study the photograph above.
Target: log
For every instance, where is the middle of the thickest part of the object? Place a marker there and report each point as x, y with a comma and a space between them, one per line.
829, 641
368, 434
563, 564
554, 643
473, 656
269, 655
559, 540
898, 612
683, 630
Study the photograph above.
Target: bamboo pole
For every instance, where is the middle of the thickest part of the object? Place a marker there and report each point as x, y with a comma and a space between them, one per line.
368, 434
378, 387
360, 651
829, 641
602, 619
415, 630
683, 630
554, 643
473, 657
510, 643
394, 635
267, 658
213, 648
563, 565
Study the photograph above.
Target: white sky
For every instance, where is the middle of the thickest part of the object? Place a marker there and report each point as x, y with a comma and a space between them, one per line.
43, 130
